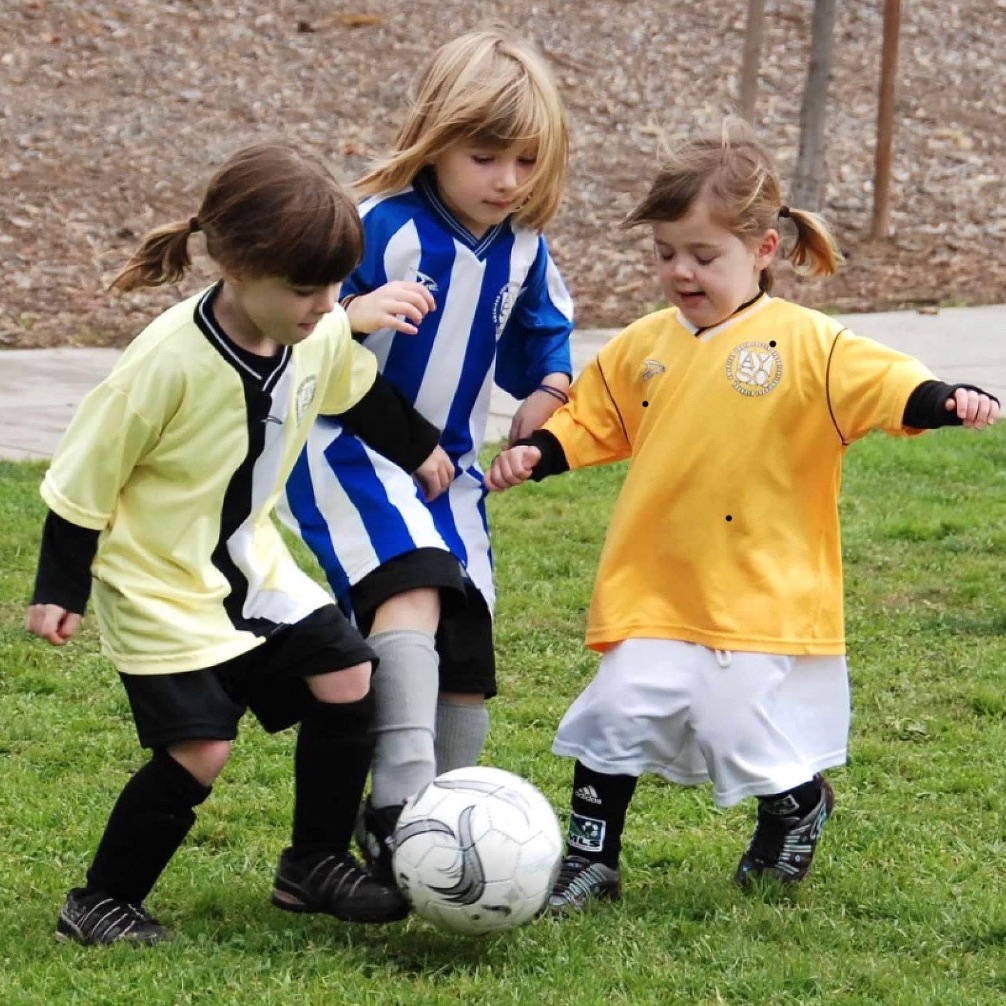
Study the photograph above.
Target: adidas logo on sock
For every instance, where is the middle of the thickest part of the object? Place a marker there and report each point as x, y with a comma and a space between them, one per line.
588, 794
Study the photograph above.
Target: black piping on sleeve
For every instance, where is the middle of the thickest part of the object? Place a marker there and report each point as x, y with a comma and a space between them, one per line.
386, 421
926, 408
63, 576
553, 457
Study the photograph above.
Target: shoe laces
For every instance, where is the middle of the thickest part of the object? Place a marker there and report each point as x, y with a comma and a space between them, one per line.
576, 876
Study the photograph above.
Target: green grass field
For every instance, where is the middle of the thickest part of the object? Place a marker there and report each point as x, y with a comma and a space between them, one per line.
905, 903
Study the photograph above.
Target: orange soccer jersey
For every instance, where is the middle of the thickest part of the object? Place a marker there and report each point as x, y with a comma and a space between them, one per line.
726, 531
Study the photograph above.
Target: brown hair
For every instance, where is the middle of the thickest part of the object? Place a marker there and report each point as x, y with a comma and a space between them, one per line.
483, 88
736, 174
270, 210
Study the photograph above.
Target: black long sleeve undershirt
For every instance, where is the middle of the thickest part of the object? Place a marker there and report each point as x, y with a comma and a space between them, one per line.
388, 422
63, 576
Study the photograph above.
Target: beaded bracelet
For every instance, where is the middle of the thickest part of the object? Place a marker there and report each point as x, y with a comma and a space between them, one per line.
554, 392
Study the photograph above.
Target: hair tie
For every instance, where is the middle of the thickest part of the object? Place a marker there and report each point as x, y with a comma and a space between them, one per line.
784, 211
194, 225
556, 393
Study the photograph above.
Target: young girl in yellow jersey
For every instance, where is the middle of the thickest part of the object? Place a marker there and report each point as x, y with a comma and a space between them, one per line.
161, 491
718, 600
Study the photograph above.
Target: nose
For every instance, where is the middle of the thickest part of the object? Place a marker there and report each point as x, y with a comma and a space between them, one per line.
681, 267
326, 299
507, 176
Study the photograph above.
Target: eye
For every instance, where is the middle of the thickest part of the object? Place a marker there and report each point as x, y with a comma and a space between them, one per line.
528, 162
483, 158
705, 261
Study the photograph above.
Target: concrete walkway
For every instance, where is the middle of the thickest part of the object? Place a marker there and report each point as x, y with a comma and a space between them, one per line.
40, 388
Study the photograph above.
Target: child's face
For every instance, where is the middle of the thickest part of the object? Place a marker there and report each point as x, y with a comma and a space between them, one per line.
261, 313
706, 271
479, 184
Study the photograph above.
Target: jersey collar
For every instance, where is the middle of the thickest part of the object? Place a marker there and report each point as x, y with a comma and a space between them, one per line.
425, 185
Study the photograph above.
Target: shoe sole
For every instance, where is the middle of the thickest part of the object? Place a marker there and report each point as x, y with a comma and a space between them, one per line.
278, 899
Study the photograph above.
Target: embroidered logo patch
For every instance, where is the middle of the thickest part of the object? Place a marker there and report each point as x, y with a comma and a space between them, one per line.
305, 396
754, 368
503, 305
652, 368
585, 833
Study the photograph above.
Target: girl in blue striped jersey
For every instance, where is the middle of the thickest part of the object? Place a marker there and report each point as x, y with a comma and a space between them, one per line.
456, 290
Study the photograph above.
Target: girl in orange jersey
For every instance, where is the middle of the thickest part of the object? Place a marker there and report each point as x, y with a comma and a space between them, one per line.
718, 600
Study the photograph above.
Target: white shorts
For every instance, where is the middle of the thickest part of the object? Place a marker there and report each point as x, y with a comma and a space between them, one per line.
753, 723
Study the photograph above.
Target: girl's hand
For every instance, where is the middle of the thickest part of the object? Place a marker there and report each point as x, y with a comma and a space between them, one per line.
435, 474
975, 409
52, 623
399, 305
512, 467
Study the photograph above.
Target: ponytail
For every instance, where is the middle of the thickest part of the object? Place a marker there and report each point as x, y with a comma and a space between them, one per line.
163, 257
814, 253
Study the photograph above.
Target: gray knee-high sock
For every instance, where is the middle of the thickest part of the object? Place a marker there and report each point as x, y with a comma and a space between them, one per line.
461, 734
405, 687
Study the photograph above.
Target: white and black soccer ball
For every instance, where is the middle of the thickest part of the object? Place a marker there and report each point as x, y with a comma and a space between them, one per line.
477, 850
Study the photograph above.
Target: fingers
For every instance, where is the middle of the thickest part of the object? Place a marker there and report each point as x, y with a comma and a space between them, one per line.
52, 623
397, 305
511, 468
974, 409
435, 474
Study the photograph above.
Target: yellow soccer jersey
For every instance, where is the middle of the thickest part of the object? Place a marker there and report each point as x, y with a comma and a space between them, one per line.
726, 531
178, 457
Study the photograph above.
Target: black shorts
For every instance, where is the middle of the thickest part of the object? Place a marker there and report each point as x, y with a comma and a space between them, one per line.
464, 637
269, 680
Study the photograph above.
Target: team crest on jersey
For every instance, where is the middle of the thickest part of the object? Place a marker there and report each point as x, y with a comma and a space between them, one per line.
754, 368
652, 368
305, 396
503, 305
428, 281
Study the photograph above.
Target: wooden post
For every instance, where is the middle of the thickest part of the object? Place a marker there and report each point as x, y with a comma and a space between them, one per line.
754, 32
885, 120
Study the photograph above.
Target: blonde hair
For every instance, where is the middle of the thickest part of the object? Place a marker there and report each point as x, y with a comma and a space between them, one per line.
270, 210
736, 174
483, 88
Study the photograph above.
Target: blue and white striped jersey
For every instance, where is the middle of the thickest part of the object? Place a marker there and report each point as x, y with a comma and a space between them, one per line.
504, 314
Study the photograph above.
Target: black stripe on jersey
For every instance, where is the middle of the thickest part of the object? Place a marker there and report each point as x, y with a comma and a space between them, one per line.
611, 398
827, 387
257, 383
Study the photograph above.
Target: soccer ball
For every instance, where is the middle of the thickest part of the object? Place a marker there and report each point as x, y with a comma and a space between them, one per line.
477, 850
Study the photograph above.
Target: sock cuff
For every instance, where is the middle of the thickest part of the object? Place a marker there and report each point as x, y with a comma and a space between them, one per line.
175, 777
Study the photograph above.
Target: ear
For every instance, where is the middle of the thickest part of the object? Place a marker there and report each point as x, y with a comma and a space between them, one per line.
766, 248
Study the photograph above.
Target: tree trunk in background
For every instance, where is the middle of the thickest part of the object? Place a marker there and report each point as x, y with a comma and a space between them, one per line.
808, 180
754, 32
885, 120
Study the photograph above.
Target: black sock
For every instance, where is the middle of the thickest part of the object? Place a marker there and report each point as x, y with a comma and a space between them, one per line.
597, 814
796, 802
334, 748
148, 823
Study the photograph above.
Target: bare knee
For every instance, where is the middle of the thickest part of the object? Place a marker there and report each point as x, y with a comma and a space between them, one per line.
417, 609
202, 759
350, 684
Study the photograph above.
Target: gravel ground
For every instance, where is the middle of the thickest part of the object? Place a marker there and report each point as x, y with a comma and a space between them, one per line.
114, 114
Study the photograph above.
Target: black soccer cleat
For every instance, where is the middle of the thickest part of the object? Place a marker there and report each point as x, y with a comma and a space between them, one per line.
375, 836
99, 919
783, 847
335, 885
580, 882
